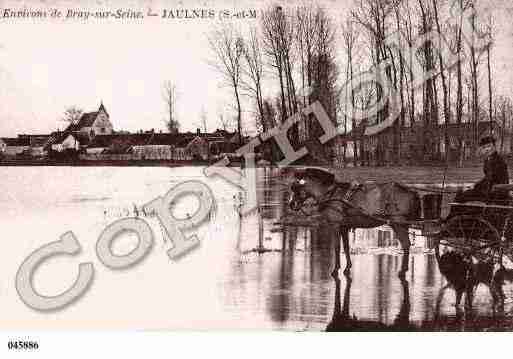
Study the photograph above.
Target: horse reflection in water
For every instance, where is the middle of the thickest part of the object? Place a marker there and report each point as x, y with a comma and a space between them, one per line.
347, 206
342, 320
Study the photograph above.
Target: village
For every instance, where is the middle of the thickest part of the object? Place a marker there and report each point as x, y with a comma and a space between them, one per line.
94, 139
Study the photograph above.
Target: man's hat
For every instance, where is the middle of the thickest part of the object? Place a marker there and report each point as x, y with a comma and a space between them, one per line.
486, 140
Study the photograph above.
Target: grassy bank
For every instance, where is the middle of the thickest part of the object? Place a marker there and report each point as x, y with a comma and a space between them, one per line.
414, 174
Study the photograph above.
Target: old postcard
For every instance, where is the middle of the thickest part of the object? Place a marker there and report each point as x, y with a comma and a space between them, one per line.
277, 166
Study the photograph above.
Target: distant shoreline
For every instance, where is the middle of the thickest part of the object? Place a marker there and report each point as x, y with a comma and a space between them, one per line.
100, 163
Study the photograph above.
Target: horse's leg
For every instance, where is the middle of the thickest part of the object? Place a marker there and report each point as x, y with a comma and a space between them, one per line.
496, 301
497, 291
345, 243
402, 319
469, 296
404, 240
459, 295
334, 273
439, 301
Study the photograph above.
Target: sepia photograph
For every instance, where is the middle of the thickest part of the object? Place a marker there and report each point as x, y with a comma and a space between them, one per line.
295, 166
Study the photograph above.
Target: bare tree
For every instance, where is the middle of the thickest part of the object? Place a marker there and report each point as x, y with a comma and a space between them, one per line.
474, 73
224, 122
202, 124
278, 45
253, 71
72, 114
170, 96
350, 38
374, 17
227, 47
429, 103
445, 85
463, 5
307, 21
490, 97
503, 109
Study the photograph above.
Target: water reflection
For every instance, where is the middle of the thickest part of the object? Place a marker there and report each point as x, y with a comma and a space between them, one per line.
286, 286
294, 290
342, 320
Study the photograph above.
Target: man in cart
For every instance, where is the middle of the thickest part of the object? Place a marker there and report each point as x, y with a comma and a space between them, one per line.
495, 172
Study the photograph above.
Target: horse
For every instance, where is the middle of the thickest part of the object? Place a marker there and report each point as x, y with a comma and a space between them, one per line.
348, 206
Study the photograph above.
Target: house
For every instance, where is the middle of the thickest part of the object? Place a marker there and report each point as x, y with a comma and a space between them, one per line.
203, 146
160, 146
99, 144
15, 146
428, 142
117, 143
181, 146
164, 146
185, 146
222, 142
62, 141
419, 142
196, 147
37, 144
92, 124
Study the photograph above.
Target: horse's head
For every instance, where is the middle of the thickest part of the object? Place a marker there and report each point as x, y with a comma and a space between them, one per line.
309, 186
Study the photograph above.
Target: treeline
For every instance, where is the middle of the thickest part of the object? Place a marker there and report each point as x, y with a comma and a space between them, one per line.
436, 56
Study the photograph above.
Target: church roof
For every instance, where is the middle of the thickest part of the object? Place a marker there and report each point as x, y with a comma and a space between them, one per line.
86, 120
102, 108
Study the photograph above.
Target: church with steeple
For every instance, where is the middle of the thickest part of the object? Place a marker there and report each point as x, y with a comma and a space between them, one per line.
92, 124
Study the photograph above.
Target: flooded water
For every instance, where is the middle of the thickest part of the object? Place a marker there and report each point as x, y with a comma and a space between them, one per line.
247, 274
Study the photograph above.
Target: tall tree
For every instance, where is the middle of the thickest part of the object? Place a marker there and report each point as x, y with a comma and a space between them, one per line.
227, 46
271, 24
374, 17
202, 124
446, 99
170, 97
490, 97
253, 71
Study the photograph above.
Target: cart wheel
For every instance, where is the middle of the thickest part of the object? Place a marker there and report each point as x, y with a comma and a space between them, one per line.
471, 236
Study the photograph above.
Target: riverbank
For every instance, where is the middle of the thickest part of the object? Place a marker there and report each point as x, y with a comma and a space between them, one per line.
414, 174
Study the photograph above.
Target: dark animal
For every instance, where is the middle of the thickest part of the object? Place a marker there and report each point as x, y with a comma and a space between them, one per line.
464, 274
356, 206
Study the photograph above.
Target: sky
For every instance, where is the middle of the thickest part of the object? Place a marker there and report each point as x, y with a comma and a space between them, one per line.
47, 65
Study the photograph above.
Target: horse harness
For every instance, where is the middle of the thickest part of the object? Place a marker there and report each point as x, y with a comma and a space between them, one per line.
346, 200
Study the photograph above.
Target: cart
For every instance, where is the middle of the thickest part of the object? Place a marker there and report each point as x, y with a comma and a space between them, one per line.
484, 232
